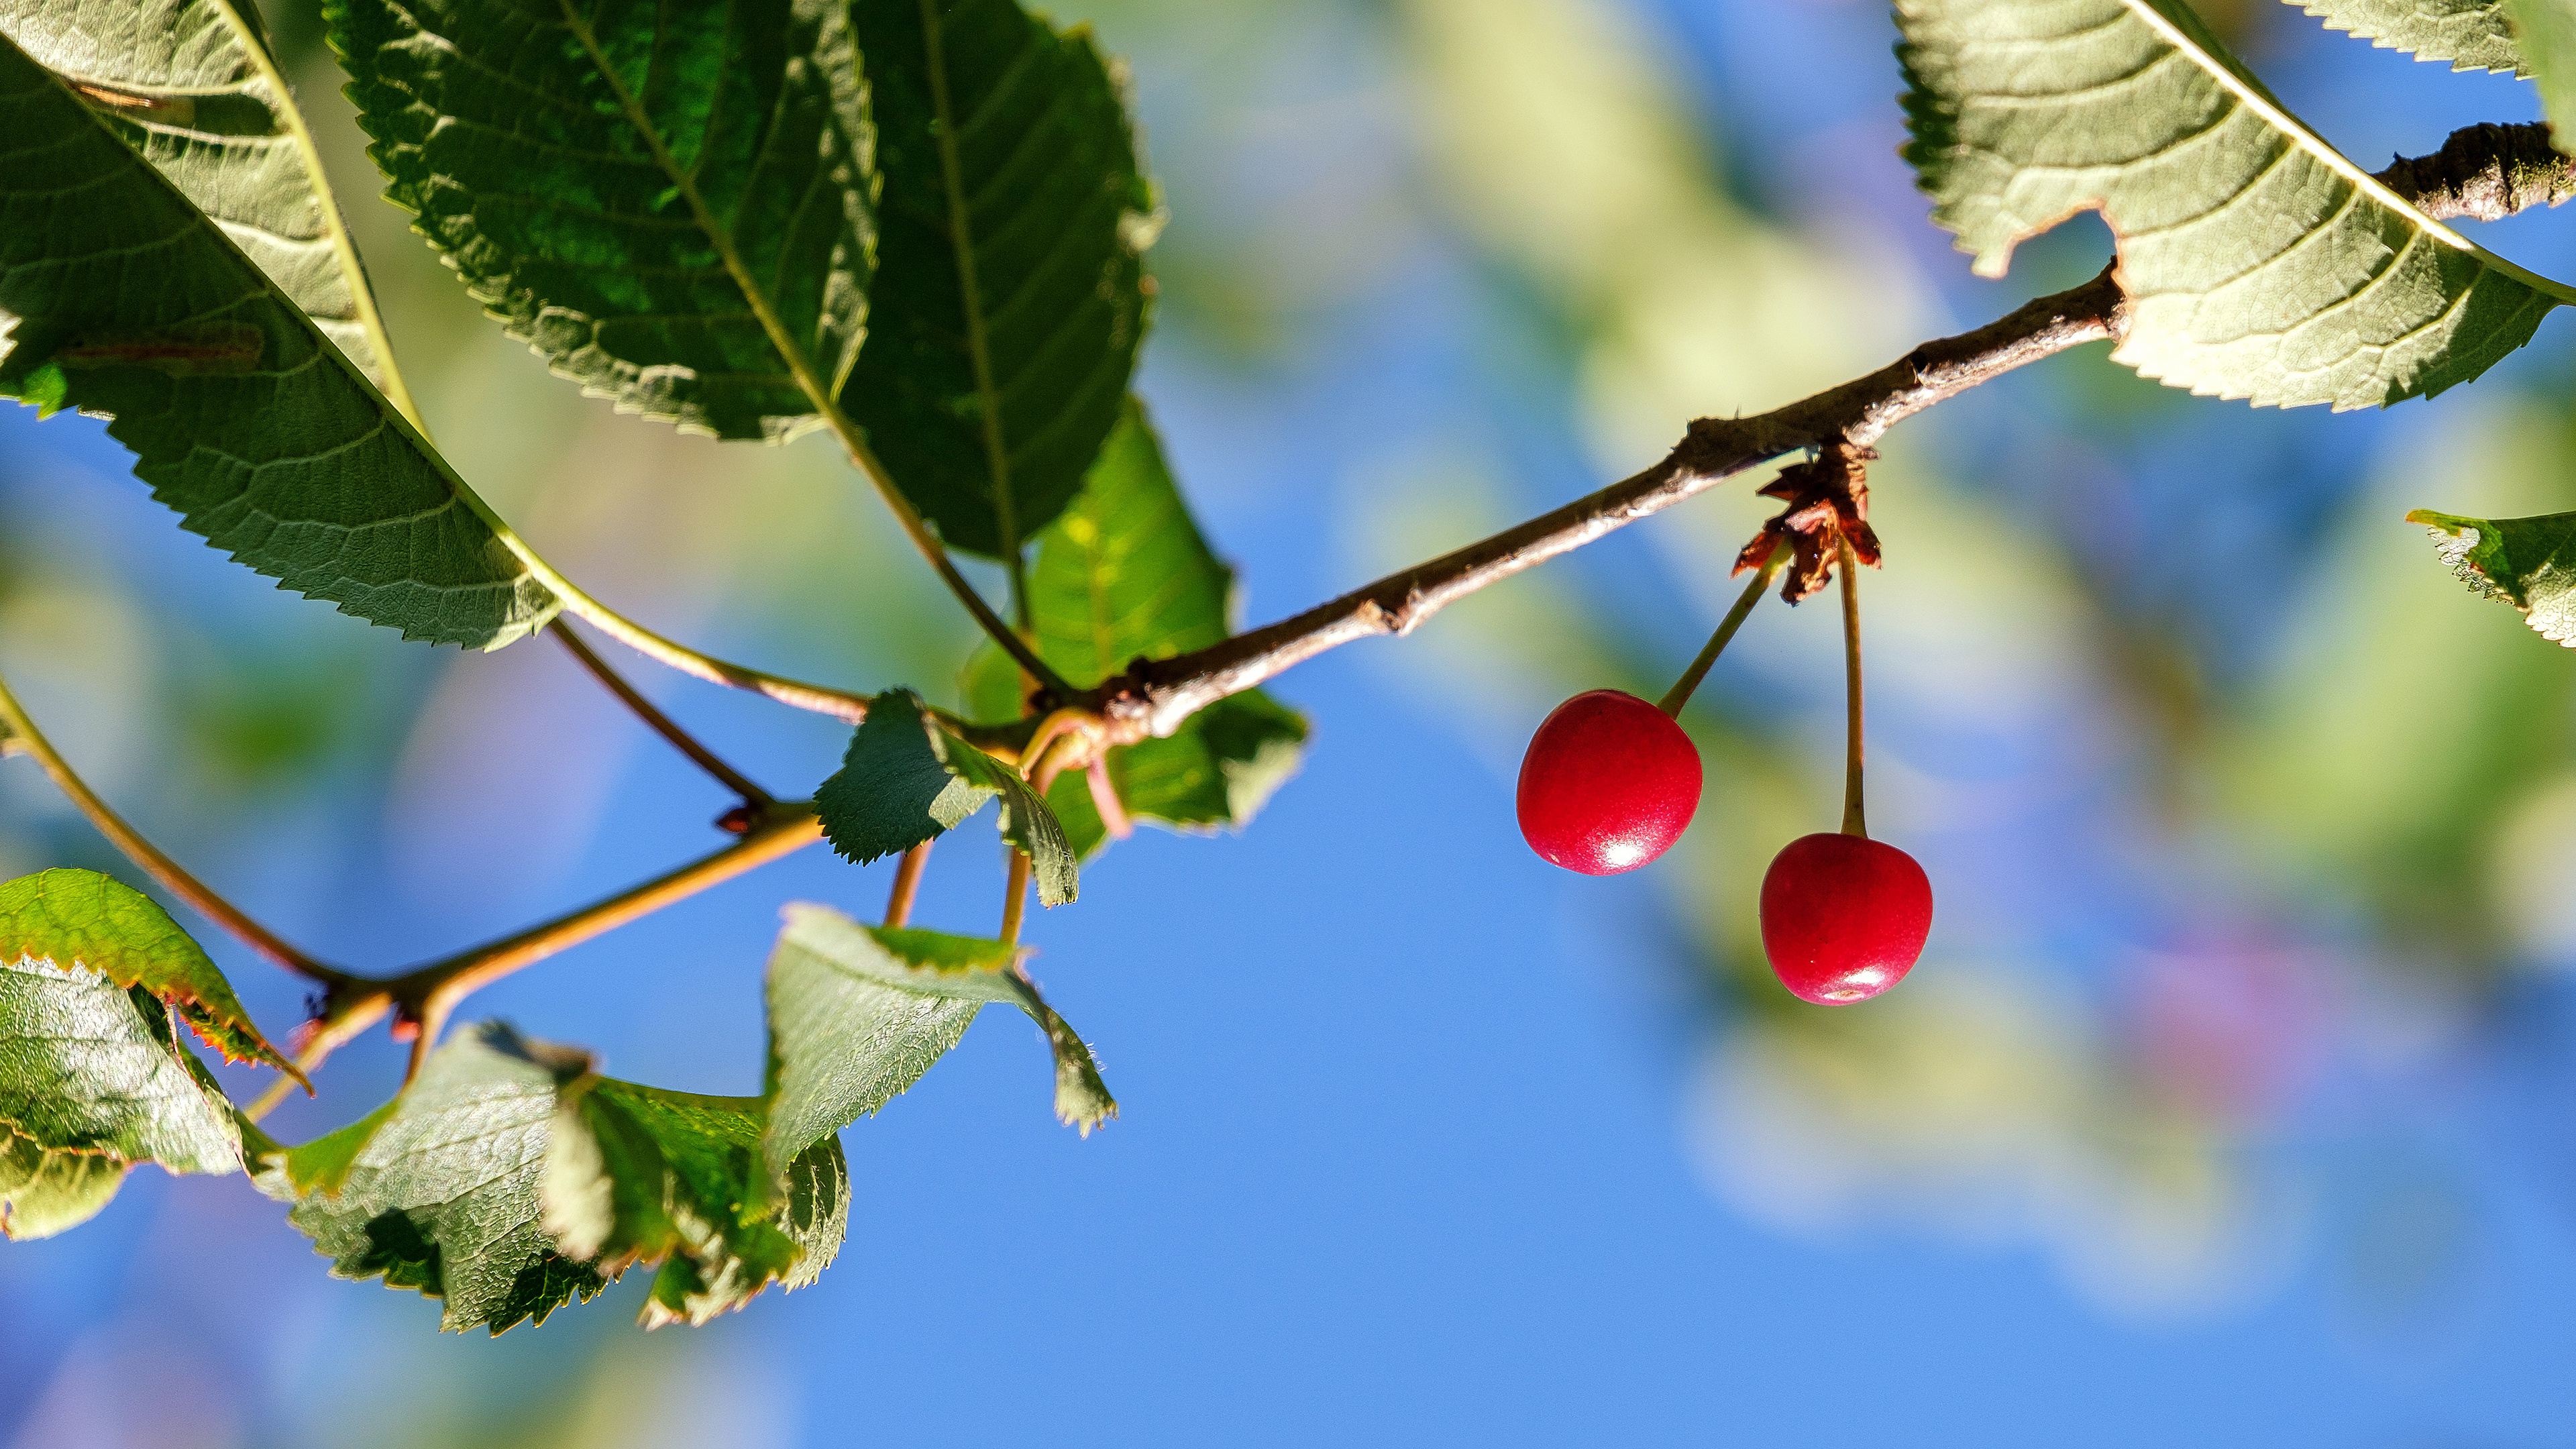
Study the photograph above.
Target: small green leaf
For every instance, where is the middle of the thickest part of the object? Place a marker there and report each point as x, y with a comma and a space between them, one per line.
92, 1080
670, 204
857, 1013
2529, 563
2546, 32
1214, 773
1011, 295
906, 779
120, 298
2471, 34
79, 918
2258, 262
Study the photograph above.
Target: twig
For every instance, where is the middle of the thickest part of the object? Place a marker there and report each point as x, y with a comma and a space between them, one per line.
907, 884
172, 876
662, 724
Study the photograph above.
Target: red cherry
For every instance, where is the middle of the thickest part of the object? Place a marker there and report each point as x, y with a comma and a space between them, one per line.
1609, 783
1843, 917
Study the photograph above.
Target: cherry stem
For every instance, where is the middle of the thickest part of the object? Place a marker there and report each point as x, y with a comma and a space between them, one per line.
1853, 823
1680, 693
907, 883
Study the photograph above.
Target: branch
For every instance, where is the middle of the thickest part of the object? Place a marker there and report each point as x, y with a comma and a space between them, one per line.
753, 797
2485, 171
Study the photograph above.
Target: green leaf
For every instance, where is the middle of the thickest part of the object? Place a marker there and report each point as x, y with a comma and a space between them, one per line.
669, 203
2259, 263
1011, 295
1125, 574
190, 85
2529, 563
2546, 32
2471, 34
119, 298
510, 1179
857, 1013
79, 918
906, 779
92, 1080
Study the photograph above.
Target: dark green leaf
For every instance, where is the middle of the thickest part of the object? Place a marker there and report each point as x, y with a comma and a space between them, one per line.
906, 779
2259, 263
2529, 563
857, 1013
189, 84
1011, 296
2471, 34
118, 297
79, 918
668, 202
92, 1080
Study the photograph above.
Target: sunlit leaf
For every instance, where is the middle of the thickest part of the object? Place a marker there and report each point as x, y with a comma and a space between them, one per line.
857, 1013
2259, 263
2471, 34
905, 779
119, 298
669, 203
79, 918
1010, 296
190, 84
47, 1190
2546, 32
2529, 563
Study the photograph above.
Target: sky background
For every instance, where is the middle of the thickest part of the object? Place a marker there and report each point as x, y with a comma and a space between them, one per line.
2228, 1106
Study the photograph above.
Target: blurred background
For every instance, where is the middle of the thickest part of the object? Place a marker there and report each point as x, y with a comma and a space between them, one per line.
2229, 1105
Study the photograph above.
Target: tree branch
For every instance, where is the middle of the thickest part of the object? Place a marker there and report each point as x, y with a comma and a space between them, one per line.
662, 724
2485, 171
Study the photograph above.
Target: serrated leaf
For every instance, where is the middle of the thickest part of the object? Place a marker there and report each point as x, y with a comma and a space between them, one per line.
1126, 574
905, 779
2529, 563
119, 298
857, 1013
93, 1070
2471, 34
189, 84
1011, 296
79, 918
668, 203
2545, 32
511, 1179
2259, 264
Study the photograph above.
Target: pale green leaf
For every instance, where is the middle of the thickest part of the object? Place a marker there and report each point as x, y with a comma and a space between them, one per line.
2529, 563
670, 203
857, 1013
79, 918
93, 1070
2471, 34
906, 779
1010, 297
2259, 263
190, 84
118, 297
2546, 31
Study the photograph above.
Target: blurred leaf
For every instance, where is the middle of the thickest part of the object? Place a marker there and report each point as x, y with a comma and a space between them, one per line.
638, 1175
2471, 34
2529, 563
2546, 31
906, 780
128, 303
668, 203
1011, 296
857, 1013
1123, 575
79, 919
2259, 263
92, 1080
190, 85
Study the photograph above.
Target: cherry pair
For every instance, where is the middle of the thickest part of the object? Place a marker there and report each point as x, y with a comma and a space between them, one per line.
1610, 782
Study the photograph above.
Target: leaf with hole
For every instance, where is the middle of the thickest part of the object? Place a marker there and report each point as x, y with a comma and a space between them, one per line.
857, 1013
1011, 296
2258, 262
906, 779
670, 204
129, 303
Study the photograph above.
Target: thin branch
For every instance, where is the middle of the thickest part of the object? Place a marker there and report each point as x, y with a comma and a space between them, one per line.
21, 732
662, 724
2485, 171
907, 884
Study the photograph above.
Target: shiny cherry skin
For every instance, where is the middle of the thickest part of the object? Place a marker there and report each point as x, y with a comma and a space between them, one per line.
1609, 783
1843, 917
